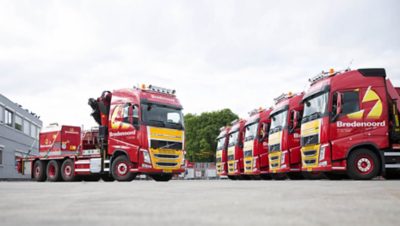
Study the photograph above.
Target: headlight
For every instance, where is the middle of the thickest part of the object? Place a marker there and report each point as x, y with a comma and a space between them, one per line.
322, 153
283, 154
146, 156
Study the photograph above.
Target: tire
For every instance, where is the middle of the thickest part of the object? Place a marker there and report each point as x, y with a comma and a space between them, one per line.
314, 175
39, 171
107, 178
232, 177
295, 176
53, 171
336, 176
68, 170
278, 176
162, 177
392, 174
362, 164
120, 169
265, 176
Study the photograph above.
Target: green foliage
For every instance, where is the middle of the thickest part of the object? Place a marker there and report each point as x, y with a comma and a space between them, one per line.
202, 131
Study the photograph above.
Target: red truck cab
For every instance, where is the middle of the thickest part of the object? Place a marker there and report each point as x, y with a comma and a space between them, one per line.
235, 149
221, 154
350, 124
255, 148
284, 137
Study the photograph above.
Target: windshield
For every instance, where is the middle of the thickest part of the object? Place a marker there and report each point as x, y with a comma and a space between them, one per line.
251, 131
221, 143
233, 138
315, 107
278, 121
162, 116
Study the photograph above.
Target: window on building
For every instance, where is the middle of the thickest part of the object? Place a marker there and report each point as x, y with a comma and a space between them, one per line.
1, 114
9, 116
27, 125
33, 131
18, 123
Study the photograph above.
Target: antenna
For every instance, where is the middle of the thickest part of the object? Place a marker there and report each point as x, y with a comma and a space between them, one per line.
351, 63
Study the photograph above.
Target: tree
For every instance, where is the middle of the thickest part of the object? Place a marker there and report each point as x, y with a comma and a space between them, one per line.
202, 131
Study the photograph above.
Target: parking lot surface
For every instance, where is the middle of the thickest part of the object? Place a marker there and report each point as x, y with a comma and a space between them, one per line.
219, 202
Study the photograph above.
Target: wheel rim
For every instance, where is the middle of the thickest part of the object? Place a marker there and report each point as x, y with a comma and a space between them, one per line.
364, 164
52, 170
37, 171
122, 169
68, 170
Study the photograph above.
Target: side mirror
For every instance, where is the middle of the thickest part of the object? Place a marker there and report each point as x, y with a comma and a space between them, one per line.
296, 117
339, 102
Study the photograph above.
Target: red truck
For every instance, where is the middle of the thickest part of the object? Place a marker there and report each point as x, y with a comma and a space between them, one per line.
235, 149
284, 137
255, 149
350, 125
140, 131
221, 154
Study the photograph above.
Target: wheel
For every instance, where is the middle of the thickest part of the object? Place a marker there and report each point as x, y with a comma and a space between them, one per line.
68, 170
39, 173
53, 171
245, 177
362, 164
107, 178
265, 176
392, 174
295, 176
278, 176
162, 177
120, 169
336, 176
232, 177
313, 175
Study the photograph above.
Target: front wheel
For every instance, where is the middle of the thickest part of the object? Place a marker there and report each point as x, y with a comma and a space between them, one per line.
162, 177
362, 164
121, 167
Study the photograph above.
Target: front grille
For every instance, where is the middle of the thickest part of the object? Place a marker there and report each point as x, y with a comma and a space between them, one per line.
274, 165
248, 153
219, 159
310, 153
274, 158
274, 147
157, 144
166, 156
310, 161
248, 162
313, 139
166, 163
231, 157
248, 168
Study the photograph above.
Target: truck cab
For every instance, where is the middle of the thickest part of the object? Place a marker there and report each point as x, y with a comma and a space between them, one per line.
221, 154
350, 124
255, 150
142, 131
284, 137
235, 149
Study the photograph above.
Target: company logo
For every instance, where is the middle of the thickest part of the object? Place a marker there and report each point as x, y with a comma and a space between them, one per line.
119, 134
360, 124
375, 112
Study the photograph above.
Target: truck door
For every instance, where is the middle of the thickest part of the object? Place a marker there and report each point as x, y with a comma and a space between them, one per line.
345, 118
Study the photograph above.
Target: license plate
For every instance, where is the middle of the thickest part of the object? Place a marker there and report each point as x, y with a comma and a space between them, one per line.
309, 169
167, 171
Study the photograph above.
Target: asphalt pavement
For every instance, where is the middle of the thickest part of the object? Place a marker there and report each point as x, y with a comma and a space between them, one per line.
218, 202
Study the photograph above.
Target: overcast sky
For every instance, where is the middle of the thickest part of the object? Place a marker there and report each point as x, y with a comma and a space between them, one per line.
54, 55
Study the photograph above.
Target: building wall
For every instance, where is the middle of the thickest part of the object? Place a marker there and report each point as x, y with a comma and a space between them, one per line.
19, 134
